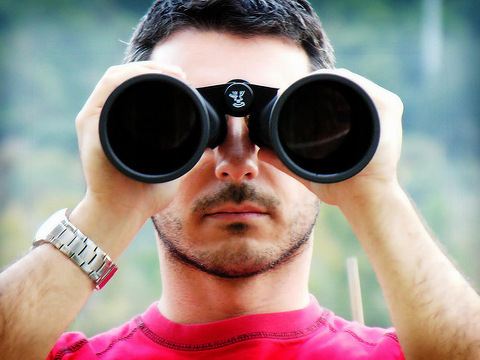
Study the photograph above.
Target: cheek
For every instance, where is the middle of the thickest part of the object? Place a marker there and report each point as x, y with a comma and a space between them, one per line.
169, 223
198, 178
303, 205
294, 192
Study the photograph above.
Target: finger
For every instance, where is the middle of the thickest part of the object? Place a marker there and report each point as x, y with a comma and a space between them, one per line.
118, 74
112, 78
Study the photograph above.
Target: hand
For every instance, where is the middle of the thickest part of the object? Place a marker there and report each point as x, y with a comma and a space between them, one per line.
381, 172
106, 186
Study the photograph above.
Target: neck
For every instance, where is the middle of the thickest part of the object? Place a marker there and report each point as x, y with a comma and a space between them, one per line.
191, 296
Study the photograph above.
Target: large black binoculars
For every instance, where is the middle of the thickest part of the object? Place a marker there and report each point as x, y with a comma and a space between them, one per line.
324, 127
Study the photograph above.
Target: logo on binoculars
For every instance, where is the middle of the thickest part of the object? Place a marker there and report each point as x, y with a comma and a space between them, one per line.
237, 97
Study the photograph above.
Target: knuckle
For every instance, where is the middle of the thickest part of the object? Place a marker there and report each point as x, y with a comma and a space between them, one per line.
396, 103
390, 102
79, 121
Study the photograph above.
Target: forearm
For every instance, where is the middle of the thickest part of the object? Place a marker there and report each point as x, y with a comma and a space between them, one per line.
435, 311
42, 293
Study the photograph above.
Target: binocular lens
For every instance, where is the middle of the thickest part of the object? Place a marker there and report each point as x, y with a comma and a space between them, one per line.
324, 128
153, 130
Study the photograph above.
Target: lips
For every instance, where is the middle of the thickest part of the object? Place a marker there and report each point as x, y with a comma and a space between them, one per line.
236, 212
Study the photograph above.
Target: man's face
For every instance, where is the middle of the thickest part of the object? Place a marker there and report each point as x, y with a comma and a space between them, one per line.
235, 215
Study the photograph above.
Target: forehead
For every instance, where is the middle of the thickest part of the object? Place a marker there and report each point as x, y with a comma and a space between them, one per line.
209, 58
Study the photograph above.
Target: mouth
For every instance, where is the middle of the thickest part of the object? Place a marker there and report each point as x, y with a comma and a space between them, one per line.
236, 213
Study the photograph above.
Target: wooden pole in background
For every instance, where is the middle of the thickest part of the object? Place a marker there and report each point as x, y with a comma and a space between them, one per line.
355, 290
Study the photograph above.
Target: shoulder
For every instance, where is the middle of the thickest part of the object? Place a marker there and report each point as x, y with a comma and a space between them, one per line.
355, 341
117, 341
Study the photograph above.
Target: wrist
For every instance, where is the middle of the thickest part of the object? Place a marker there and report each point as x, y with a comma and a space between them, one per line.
375, 218
70, 241
368, 192
110, 228
371, 200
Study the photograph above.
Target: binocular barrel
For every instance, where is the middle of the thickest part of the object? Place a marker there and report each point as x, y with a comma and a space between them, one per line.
324, 127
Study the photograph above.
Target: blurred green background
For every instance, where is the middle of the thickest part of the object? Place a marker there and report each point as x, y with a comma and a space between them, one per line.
427, 51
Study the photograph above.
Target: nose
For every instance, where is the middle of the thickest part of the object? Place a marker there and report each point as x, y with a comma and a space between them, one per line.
236, 158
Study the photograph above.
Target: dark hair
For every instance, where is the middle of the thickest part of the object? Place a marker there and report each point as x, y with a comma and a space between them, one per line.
292, 19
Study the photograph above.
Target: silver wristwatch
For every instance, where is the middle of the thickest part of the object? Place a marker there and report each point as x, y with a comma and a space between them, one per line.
62, 234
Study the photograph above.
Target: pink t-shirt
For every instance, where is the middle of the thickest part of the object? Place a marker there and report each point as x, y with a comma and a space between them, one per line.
310, 333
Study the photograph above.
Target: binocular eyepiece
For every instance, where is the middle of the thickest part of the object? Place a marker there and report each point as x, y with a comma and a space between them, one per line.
324, 127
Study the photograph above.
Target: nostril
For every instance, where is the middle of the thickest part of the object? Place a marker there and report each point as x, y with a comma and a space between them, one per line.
229, 170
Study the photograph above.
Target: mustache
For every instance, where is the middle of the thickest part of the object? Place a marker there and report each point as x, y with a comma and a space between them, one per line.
236, 194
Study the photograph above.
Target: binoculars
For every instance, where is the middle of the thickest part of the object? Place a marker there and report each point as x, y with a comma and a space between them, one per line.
324, 127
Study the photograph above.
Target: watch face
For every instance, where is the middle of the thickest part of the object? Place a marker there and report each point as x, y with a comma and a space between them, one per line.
52, 227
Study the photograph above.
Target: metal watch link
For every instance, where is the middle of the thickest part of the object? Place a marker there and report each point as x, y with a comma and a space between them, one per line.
62, 234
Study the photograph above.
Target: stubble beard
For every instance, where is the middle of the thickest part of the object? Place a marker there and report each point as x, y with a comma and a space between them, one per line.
237, 258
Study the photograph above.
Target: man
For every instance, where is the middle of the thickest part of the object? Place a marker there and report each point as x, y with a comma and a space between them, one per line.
235, 233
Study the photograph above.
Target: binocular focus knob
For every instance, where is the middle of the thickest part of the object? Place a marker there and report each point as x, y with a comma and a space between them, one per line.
238, 98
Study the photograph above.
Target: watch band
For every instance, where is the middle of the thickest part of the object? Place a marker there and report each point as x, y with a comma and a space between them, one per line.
62, 234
